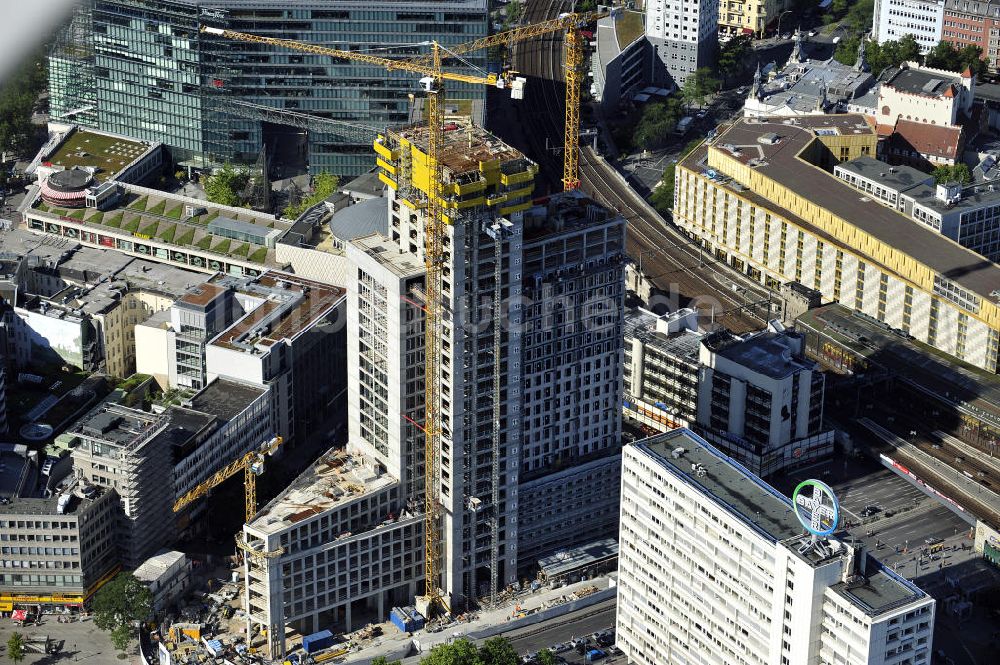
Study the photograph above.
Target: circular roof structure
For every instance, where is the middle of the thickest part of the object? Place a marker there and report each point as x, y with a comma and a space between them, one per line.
71, 180
36, 431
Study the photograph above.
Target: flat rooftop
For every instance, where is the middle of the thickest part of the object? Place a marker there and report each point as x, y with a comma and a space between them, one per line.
226, 399
380, 248
291, 305
727, 483
781, 162
464, 148
337, 477
106, 154
766, 353
641, 324
879, 592
913, 361
896, 178
567, 561
160, 217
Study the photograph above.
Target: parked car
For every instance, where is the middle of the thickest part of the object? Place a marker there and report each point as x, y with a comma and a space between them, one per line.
561, 647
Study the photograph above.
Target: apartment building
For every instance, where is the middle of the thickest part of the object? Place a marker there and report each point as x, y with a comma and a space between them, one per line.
278, 331
757, 397
150, 459
58, 541
751, 17
621, 62
141, 68
684, 35
661, 368
967, 214
895, 19
763, 198
78, 305
714, 566
761, 400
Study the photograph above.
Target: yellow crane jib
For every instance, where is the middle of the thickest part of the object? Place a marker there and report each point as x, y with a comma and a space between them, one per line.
252, 465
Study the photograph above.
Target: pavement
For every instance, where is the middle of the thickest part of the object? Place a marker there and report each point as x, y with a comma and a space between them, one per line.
80, 641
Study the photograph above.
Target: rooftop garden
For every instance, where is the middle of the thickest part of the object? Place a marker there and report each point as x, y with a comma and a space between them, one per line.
151, 217
107, 154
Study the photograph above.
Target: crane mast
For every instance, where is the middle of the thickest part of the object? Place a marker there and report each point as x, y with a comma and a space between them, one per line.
432, 69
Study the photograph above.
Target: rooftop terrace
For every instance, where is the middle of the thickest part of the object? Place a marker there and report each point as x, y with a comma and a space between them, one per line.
291, 305
879, 592
107, 154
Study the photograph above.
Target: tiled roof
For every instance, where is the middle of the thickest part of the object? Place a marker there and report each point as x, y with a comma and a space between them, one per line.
935, 140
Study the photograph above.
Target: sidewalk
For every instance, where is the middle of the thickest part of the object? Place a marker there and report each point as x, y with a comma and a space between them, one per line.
539, 606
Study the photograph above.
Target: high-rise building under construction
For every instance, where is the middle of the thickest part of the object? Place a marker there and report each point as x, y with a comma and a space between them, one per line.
143, 69
530, 381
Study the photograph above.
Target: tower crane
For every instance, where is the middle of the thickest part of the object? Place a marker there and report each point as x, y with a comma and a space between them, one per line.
433, 78
570, 24
252, 465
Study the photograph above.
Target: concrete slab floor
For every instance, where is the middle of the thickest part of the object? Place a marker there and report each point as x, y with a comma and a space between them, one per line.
80, 641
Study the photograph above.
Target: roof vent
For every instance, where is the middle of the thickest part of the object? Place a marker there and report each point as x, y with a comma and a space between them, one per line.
677, 452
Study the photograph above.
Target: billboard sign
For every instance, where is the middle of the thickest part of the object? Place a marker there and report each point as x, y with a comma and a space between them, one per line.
818, 509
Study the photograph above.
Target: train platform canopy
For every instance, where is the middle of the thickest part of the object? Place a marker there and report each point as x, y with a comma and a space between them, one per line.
975, 391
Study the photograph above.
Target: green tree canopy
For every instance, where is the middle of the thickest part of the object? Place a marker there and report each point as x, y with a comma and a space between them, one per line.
120, 637
17, 101
859, 16
698, 86
657, 121
946, 56
459, 652
546, 657
324, 185
225, 185
732, 56
498, 651
121, 602
382, 660
15, 647
880, 56
954, 173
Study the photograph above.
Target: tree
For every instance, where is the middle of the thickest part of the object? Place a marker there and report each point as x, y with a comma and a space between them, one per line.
954, 173
859, 16
879, 56
324, 185
946, 56
847, 50
657, 121
498, 651
15, 647
459, 652
121, 602
732, 57
546, 657
382, 660
120, 637
224, 186
699, 85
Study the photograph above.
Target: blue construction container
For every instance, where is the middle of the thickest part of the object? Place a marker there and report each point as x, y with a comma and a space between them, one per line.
317, 641
407, 619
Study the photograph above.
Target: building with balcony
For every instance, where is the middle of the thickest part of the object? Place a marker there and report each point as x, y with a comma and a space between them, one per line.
762, 196
714, 566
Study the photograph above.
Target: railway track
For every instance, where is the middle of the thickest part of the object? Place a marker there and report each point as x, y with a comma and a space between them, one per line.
668, 257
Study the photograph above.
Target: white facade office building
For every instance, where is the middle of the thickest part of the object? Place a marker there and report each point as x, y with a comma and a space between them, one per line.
895, 19
715, 568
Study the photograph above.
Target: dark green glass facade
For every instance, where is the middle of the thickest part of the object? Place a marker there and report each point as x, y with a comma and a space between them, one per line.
155, 77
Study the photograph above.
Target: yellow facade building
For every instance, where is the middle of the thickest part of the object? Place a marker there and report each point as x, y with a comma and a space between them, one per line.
762, 197
738, 17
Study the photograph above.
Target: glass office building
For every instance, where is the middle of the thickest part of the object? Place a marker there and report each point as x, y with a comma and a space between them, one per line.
155, 77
